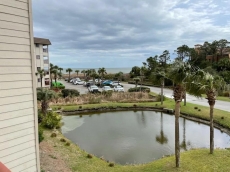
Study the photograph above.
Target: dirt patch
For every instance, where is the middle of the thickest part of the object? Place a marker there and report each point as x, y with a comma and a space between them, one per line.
50, 159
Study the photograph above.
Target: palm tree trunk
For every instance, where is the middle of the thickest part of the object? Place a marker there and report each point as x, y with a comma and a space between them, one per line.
177, 134
41, 81
185, 98
211, 130
162, 87
69, 76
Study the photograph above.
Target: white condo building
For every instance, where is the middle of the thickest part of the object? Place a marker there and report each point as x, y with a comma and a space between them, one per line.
41, 53
19, 147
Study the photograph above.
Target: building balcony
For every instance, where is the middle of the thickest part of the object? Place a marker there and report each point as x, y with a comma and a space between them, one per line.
45, 50
46, 61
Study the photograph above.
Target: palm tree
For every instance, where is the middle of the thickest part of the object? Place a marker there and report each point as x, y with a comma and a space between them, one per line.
180, 74
102, 72
55, 74
94, 75
69, 70
50, 71
83, 71
60, 69
203, 82
136, 81
163, 65
45, 95
60, 72
77, 71
41, 73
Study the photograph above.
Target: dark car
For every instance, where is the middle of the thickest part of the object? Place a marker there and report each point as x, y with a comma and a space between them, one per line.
88, 84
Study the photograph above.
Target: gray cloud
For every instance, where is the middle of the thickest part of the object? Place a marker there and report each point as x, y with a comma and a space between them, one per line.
89, 33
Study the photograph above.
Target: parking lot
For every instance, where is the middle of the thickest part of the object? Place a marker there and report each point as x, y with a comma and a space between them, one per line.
84, 90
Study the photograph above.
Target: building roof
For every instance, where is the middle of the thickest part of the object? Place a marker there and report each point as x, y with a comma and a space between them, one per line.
42, 41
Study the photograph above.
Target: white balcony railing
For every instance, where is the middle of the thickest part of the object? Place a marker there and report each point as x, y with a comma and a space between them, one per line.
46, 61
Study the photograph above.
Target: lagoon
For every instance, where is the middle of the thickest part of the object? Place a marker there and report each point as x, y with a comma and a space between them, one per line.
134, 137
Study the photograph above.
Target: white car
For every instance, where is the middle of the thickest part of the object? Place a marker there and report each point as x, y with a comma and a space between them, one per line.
78, 82
107, 88
93, 88
118, 88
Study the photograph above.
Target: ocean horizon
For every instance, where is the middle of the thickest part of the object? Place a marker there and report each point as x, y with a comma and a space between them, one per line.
108, 70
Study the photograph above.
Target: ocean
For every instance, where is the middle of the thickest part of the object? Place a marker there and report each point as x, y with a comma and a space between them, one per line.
108, 70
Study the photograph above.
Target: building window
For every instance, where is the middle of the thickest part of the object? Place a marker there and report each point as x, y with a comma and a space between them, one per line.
39, 79
47, 81
37, 56
37, 45
38, 68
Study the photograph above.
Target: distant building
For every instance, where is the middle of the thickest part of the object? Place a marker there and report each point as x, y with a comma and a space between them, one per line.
225, 54
19, 147
41, 53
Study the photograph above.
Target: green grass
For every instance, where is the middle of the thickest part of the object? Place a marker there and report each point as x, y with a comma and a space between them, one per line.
193, 160
221, 117
227, 99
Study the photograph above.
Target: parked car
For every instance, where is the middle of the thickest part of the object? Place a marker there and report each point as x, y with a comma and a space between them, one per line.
107, 88
74, 79
118, 88
87, 84
107, 83
78, 82
115, 83
93, 89
66, 79
58, 85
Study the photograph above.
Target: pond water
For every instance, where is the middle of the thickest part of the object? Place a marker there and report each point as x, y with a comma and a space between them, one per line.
129, 137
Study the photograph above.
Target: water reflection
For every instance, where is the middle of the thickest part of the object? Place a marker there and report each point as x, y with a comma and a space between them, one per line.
183, 144
162, 139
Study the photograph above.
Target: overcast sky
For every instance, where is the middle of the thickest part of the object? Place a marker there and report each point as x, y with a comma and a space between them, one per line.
124, 33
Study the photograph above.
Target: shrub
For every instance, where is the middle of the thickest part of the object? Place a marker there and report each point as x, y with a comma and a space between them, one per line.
70, 93
158, 97
195, 107
62, 140
40, 134
51, 120
107, 93
138, 89
111, 164
67, 144
94, 100
89, 156
40, 116
53, 135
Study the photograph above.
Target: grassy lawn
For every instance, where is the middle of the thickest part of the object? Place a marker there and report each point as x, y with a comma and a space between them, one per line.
193, 160
227, 99
221, 117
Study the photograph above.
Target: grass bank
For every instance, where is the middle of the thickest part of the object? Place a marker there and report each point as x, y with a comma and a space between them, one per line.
220, 117
193, 160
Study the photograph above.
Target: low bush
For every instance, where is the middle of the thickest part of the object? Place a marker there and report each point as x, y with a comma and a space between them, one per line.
89, 156
40, 116
70, 93
40, 134
62, 140
158, 98
51, 120
107, 93
139, 89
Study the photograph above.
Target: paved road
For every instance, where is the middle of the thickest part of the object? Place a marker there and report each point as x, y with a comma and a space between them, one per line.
167, 92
